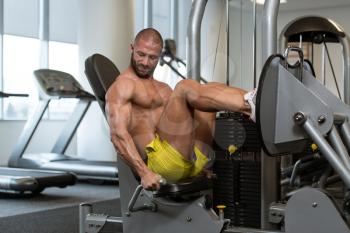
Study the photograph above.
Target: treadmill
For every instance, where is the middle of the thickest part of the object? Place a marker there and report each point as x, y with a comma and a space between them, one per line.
53, 84
26, 181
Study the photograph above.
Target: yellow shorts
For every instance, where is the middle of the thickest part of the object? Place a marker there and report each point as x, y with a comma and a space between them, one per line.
166, 161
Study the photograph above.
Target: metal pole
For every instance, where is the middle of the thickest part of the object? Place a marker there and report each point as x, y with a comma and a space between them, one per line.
84, 209
1, 54
228, 42
147, 17
194, 39
254, 44
44, 33
174, 19
270, 170
345, 133
328, 152
269, 28
323, 67
346, 59
339, 147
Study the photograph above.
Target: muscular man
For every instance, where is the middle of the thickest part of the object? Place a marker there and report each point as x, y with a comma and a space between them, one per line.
162, 132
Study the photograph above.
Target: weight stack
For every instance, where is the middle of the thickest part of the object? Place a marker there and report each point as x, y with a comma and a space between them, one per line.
238, 182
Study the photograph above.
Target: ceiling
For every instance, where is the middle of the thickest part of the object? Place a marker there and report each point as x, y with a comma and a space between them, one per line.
293, 5
312, 4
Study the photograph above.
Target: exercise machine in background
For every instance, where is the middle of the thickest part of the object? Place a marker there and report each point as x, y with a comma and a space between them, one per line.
57, 85
169, 58
14, 181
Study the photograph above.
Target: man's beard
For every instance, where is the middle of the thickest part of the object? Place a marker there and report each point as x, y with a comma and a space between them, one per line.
148, 72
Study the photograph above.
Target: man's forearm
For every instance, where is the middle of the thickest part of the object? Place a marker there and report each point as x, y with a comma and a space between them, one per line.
127, 149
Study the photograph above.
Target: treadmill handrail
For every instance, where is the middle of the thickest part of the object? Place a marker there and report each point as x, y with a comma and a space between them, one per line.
71, 126
6, 95
27, 133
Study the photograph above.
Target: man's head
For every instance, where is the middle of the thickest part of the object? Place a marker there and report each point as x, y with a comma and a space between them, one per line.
146, 50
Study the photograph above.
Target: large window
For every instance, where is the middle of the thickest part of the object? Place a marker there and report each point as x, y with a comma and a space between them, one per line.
21, 57
44, 36
64, 57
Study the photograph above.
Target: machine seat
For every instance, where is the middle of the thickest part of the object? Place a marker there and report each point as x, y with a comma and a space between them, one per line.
184, 187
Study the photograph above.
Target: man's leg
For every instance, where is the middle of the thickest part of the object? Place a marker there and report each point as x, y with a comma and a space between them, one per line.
177, 123
204, 130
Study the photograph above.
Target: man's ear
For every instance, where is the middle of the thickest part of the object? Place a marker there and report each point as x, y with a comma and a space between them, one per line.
131, 48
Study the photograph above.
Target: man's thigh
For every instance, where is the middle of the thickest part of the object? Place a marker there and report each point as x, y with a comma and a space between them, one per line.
204, 130
176, 125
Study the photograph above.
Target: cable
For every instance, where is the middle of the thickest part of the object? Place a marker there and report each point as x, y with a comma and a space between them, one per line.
177, 60
331, 65
217, 43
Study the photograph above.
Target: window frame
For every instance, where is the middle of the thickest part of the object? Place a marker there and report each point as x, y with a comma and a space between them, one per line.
44, 62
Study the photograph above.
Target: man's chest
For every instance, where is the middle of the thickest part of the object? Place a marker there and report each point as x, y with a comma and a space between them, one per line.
149, 96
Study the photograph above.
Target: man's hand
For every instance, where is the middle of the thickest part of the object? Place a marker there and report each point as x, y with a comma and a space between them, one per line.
150, 180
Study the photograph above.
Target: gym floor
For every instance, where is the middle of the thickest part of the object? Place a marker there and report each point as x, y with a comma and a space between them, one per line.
56, 210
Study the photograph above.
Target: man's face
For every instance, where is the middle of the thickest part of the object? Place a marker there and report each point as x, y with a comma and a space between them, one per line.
144, 57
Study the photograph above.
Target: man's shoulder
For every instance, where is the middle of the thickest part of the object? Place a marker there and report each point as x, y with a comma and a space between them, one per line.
124, 79
123, 85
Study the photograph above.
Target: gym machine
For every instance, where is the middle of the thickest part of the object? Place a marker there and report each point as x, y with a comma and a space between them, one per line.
291, 109
319, 30
303, 109
55, 84
18, 181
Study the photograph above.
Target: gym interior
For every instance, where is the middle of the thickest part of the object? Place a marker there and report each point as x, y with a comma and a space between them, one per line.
287, 172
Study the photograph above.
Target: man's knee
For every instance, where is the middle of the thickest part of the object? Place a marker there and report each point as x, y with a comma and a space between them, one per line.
187, 86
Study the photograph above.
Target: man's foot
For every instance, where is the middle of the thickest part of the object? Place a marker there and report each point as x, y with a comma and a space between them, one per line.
250, 98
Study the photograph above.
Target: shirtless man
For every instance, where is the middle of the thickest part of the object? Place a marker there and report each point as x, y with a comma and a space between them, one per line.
162, 132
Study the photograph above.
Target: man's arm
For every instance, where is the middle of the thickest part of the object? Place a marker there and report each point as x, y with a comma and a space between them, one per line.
118, 109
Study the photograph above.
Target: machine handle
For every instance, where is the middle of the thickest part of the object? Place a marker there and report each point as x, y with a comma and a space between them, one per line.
135, 196
5, 95
301, 59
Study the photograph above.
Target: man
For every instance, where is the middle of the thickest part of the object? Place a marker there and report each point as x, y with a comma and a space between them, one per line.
162, 132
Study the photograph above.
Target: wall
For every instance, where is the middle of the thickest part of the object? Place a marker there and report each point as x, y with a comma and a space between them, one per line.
241, 45
213, 42
108, 28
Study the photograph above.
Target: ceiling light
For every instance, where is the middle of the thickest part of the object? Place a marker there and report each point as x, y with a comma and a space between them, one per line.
261, 2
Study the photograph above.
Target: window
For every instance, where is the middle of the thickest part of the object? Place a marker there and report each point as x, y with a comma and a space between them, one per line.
161, 17
45, 36
170, 18
63, 57
21, 57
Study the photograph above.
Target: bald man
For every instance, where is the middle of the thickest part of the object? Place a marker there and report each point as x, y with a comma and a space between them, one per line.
161, 132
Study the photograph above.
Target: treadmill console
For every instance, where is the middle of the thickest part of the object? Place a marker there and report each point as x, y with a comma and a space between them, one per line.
58, 84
